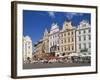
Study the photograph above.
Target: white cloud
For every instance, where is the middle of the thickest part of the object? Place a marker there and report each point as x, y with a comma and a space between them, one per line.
71, 15
51, 14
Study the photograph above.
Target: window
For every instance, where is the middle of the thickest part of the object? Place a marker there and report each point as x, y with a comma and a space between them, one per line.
79, 32
51, 43
72, 47
79, 38
66, 24
62, 48
51, 37
89, 37
84, 37
89, 45
28, 47
64, 34
79, 46
25, 46
69, 48
58, 47
68, 33
68, 39
84, 45
89, 30
84, 31
65, 40
72, 39
61, 41
72, 33
84, 25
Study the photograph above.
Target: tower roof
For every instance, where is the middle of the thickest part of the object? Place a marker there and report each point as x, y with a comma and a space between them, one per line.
67, 25
54, 26
27, 38
84, 24
46, 31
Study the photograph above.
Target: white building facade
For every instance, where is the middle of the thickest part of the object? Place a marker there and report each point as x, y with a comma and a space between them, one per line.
83, 38
54, 38
27, 48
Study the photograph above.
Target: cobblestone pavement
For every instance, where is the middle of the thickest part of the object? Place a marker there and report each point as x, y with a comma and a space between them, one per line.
53, 65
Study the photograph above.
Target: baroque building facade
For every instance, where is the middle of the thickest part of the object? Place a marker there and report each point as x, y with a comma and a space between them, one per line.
54, 38
67, 39
39, 51
27, 48
83, 38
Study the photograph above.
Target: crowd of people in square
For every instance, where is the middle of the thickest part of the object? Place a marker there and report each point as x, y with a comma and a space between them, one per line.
68, 60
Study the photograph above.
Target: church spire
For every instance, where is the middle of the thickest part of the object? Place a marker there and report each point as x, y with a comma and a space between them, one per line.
45, 32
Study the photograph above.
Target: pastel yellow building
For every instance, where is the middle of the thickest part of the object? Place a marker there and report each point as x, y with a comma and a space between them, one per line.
67, 39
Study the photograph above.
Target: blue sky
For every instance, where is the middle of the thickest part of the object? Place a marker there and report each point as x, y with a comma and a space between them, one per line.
35, 22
